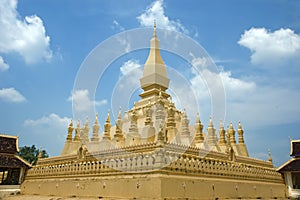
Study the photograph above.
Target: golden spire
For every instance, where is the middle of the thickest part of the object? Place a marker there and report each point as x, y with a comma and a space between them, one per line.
96, 127
222, 133
86, 129
240, 125
70, 130
120, 113
86, 121
119, 120
185, 124
240, 133
210, 122
221, 124
96, 120
198, 118
118, 132
231, 134
154, 55
108, 117
107, 126
40, 155
77, 130
199, 130
211, 135
270, 159
155, 72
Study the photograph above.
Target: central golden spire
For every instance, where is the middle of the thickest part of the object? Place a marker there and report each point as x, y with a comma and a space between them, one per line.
154, 78
154, 55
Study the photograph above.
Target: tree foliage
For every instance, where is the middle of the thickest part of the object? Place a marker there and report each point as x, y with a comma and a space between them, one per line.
31, 154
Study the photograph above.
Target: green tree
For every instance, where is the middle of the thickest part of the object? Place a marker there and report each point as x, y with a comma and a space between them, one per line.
31, 154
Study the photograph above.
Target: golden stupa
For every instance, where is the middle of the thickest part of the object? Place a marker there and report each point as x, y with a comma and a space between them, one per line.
167, 158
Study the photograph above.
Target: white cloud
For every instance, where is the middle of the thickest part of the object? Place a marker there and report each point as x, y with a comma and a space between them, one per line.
217, 89
156, 12
51, 120
131, 72
3, 66
267, 105
82, 101
271, 48
183, 94
235, 88
26, 37
48, 131
200, 62
117, 26
125, 43
130, 65
256, 105
129, 82
11, 95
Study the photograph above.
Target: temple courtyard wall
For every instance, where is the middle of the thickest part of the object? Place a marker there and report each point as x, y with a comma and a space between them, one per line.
154, 186
156, 173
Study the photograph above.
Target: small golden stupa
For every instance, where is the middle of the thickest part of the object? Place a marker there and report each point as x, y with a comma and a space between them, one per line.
154, 153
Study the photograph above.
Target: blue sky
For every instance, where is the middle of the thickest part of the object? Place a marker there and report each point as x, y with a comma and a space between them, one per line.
254, 44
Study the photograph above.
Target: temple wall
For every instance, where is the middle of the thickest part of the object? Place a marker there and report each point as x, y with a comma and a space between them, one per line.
108, 186
213, 188
154, 186
158, 174
154, 161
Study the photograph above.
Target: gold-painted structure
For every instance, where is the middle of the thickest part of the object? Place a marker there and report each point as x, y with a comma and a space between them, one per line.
154, 152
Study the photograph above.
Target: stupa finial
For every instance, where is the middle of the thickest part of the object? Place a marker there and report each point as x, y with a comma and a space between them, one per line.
231, 133
222, 131
77, 130
96, 120
96, 127
197, 116
87, 121
154, 29
40, 155
107, 126
199, 130
221, 124
270, 159
210, 122
70, 130
120, 113
240, 125
240, 133
108, 117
